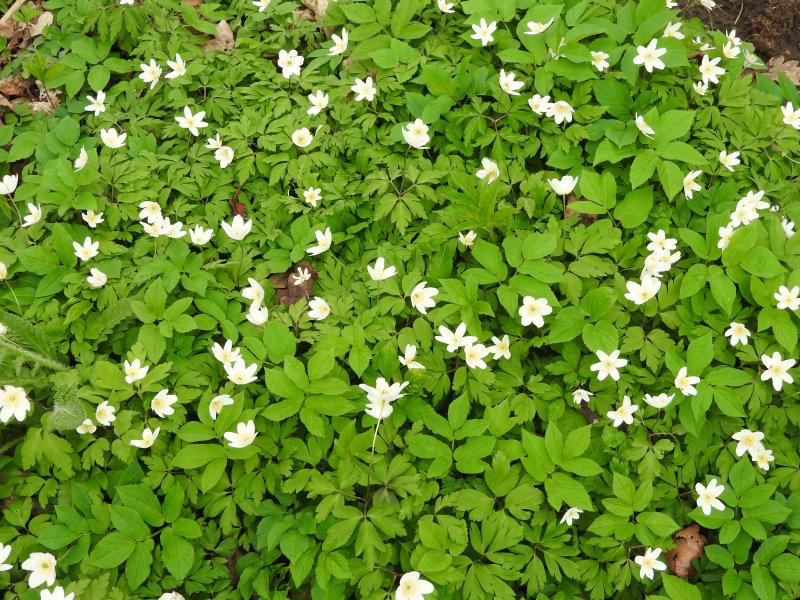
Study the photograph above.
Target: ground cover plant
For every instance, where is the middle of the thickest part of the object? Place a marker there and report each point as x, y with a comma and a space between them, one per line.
418, 300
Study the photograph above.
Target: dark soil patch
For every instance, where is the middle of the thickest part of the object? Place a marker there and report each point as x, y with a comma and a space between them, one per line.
772, 26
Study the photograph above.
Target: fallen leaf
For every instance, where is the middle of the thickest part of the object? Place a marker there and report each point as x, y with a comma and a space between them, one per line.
194, 3
286, 292
586, 219
223, 41
319, 7
690, 544
790, 68
14, 86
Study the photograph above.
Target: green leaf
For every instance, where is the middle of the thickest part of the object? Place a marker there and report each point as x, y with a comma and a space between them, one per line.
678, 589
141, 499
177, 552
195, 456
642, 168
112, 550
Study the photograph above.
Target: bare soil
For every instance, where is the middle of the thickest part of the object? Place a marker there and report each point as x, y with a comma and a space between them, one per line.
772, 26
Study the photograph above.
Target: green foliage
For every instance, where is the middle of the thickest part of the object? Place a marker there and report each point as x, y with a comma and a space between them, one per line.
468, 479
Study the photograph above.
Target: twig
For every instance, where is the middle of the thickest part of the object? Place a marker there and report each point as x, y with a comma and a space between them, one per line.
14, 8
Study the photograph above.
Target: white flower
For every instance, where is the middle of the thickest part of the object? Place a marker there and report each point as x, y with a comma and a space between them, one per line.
416, 134
501, 347
650, 56
319, 102
732, 38
649, 563
534, 310
599, 60
483, 32
422, 297
535, 28
467, 238
199, 235
339, 44
690, 184
87, 250
608, 365
489, 170
244, 435
162, 402
324, 241
708, 496
154, 229
151, 211
563, 186
754, 200
92, 219
312, 196
685, 382
148, 438
217, 404
700, 87
172, 230
791, 116
380, 272
227, 353
731, 51
571, 515
639, 293
474, 356
560, 111
112, 139
709, 4
34, 215
644, 127
261, 5
788, 227
788, 299
539, 104
14, 402
623, 414
224, 155
3, 271
238, 228
455, 339
42, 566
660, 241
660, 401
581, 395
151, 73
508, 83
82, 159
86, 426
239, 372
762, 457
673, 30
134, 371
777, 369
178, 67
192, 122
409, 358
749, 441
445, 6
302, 138
290, 63
380, 397
5, 551
729, 160
97, 278
318, 308
56, 594
104, 413
671, 4
738, 334
411, 587
364, 89
254, 292
176, 595
751, 60
257, 314
725, 234
96, 103
214, 143
709, 69
301, 276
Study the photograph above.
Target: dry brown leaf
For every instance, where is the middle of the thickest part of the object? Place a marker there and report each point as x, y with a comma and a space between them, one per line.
286, 292
319, 7
223, 41
37, 27
690, 544
790, 68
194, 3
14, 86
